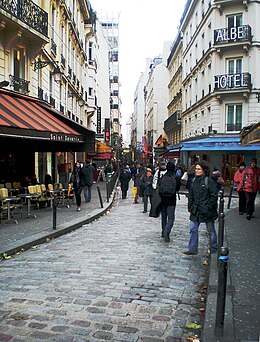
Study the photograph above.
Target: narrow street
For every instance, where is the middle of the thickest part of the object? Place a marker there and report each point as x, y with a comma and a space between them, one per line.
115, 279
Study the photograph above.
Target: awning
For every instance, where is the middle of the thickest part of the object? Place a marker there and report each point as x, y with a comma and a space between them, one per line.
250, 134
222, 143
103, 148
175, 153
26, 117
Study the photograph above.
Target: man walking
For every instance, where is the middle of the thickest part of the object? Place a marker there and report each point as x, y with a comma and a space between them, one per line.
251, 186
168, 187
88, 172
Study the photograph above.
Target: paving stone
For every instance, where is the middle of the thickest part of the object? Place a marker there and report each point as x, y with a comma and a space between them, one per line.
103, 335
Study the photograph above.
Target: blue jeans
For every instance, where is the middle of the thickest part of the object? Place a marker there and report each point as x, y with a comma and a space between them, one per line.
194, 236
168, 217
87, 193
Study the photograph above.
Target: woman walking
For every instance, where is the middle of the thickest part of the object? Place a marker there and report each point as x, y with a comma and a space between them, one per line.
202, 205
77, 178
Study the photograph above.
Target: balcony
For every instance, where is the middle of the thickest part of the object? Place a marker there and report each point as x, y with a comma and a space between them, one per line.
28, 12
233, 81
232, 35
19, 84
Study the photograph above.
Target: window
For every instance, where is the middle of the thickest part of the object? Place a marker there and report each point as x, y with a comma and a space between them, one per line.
234, 117
234, 66
234, 20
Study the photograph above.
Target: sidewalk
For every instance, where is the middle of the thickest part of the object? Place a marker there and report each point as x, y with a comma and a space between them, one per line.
32, 231
242, 312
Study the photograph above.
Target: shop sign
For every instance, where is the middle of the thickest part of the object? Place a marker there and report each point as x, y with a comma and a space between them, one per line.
228, 81
64, 137
232, 34
98, 119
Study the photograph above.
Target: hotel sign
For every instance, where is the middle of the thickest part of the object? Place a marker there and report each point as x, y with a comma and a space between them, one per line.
233, 81
232, 34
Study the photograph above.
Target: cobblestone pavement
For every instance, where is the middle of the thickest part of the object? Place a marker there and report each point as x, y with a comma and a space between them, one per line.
112, 280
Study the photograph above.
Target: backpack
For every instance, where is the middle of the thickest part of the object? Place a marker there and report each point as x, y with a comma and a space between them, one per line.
167, 185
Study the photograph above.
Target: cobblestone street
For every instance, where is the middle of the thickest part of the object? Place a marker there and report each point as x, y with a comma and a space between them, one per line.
114, 279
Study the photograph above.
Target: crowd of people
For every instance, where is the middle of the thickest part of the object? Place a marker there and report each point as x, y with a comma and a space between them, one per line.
159, 185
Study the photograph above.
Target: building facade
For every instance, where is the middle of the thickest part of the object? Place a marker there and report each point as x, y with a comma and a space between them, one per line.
46, 61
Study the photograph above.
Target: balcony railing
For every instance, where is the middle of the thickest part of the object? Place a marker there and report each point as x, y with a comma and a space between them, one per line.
19, 84
232, 34
28, 12
233, 81
234, 127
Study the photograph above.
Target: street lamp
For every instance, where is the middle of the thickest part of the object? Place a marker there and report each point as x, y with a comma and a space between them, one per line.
57, 74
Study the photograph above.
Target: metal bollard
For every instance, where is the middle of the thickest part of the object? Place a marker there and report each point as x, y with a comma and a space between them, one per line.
221, 220
230, 196
107, 188
100, 198
54, 210
222, 286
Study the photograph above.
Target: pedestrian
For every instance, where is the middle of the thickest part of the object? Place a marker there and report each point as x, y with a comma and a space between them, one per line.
202, 205
159, 173
251, 186
124, 178
78, 182
216, 177
239, 180
47, 180
168, 187
88, 174
146, 185
137, 174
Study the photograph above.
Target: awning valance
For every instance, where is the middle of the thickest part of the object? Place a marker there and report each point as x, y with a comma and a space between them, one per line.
221, 143
26, 117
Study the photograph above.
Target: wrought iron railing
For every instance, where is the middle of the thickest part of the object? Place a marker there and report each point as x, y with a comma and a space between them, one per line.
19, 84
233, 81
234, 127
232, 34
28, 12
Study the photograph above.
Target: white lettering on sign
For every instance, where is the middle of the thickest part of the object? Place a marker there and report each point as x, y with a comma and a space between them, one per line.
231, 34
232, 81
60, 137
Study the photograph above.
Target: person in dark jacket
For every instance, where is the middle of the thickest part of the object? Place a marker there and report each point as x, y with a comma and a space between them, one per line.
78, 182
88, 172
137, 174
124, 178
147, 186
168, 203
202, 205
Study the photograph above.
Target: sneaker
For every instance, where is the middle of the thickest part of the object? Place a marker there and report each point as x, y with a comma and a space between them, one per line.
248, 217
78, 209
144, 211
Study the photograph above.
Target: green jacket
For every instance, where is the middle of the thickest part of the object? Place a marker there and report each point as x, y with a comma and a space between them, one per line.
203, 200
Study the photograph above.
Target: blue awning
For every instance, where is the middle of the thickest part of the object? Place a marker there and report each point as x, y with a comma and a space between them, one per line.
218, 144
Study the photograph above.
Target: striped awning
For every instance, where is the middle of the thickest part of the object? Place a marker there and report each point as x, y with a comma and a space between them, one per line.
23, 116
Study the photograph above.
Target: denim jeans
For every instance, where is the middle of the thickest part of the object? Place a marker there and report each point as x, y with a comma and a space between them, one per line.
168, 217
87, 193
194, 236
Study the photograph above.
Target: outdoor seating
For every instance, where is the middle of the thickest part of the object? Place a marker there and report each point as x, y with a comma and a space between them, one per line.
8, 205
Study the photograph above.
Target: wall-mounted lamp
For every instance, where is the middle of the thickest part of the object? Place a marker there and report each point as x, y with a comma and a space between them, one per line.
39, 64
81, 102
57, 74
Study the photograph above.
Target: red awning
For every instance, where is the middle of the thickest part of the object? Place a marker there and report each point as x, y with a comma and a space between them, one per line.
20, 113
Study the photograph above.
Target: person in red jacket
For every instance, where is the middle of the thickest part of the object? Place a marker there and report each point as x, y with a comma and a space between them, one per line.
239, 180
251, 187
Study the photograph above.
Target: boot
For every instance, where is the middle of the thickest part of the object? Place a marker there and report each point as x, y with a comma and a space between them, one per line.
167, 237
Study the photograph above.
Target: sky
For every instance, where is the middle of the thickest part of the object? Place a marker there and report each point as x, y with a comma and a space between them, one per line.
144, 25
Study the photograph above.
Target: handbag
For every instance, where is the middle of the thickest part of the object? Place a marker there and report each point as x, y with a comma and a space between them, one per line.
155, 204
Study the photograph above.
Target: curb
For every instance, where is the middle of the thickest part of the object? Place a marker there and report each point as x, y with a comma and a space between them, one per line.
59, 232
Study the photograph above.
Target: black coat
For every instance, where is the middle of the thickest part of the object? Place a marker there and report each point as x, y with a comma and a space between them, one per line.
147, 185
203, 200
87, 174
125, 178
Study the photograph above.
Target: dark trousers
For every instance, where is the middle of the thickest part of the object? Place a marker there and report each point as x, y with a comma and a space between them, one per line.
146, 201
168, 217
241, 201
250, 203
124, 193
78, 192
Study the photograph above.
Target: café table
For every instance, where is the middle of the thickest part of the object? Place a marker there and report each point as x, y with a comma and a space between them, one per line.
8, 200
28, 198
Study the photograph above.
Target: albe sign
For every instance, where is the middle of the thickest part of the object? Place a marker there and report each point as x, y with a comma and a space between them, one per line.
232, 34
